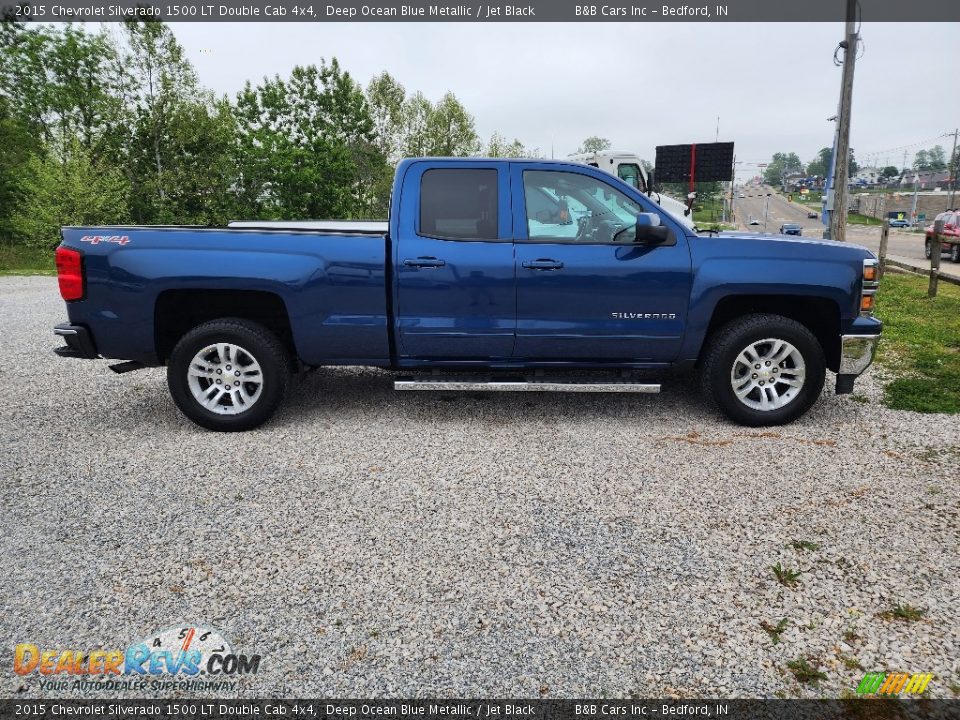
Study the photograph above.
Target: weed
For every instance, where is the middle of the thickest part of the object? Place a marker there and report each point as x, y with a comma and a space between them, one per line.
905, 612
774, 631
804, 672
786, 576
849, 662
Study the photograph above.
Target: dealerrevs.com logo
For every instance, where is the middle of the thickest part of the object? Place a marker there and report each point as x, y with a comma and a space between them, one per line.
174, 658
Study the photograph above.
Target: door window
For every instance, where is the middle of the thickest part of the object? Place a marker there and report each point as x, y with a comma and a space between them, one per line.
459, 203
569, 207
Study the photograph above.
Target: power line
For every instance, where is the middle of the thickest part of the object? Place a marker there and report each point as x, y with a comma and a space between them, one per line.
907, 147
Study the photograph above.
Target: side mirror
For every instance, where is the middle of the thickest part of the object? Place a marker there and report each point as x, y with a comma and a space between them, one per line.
649, 229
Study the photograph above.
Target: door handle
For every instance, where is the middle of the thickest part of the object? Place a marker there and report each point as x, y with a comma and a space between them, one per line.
543, 264
424, 262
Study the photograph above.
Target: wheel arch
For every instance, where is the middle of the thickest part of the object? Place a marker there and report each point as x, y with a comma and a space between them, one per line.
176, 312
820, 315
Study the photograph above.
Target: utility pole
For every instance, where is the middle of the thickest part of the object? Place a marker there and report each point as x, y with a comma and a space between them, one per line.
733, 181
838, 218
953, 171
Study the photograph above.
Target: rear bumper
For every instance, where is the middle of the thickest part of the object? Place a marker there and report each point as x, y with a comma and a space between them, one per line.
79, 342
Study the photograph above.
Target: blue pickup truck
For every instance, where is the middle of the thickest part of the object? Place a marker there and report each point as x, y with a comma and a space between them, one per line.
490, 274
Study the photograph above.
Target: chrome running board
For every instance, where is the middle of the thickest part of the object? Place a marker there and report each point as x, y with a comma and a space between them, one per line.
409, 383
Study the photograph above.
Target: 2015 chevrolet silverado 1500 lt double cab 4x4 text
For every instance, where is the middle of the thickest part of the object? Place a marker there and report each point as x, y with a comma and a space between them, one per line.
506, 275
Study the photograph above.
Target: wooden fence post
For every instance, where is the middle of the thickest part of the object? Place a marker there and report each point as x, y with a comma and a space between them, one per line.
884, 237
935, 258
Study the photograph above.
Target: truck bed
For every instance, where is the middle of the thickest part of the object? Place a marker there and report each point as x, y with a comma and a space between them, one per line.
330, 279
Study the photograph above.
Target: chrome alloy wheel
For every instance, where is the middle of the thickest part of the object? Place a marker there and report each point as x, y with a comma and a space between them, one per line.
768, 374
225, 379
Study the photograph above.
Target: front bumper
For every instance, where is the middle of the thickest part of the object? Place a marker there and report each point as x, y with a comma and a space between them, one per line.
79, 342
856, 355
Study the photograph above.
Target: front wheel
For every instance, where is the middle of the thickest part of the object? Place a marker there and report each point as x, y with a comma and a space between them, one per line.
928, 248
228, 374
763, 369
955, 252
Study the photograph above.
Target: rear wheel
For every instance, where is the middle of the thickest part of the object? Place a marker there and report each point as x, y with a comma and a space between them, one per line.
763, 369
928, 248
229, 374
955, 252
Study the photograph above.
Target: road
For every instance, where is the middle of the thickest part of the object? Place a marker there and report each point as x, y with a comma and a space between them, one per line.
902, 245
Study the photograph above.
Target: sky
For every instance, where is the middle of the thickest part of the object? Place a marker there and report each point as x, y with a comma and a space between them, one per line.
551, 85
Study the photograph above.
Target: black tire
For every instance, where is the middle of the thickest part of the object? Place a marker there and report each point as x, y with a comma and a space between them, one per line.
928, 248
254, 343
955, 252
720, 359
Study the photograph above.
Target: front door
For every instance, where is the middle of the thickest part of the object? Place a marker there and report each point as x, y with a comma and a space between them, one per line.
453, 261
586, 292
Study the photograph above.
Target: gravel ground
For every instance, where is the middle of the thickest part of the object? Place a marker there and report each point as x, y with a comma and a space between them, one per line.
372, 543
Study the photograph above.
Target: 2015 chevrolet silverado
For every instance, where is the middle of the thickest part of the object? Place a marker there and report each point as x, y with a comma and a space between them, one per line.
504, 274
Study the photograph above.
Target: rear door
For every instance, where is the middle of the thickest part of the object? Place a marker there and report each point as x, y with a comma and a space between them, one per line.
586, 292
453, 259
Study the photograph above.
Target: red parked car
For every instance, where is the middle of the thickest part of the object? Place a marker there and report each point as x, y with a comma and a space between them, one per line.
949, 238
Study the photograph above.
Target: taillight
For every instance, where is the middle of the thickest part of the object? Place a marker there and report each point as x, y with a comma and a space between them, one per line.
70, 273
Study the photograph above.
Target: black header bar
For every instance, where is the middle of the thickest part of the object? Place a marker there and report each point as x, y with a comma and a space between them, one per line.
621, 11
603, 709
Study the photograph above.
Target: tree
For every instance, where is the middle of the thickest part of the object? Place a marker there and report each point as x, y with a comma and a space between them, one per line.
937, 158
70, 190
307, 146
820, 165
416, 114
60, 82
17, 146
161, 80
594, 144
499, 147
933, 159
782, 164
386, 98
450, 129
889, 172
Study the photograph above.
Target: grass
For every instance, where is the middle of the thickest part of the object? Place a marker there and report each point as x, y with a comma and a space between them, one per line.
858, 219
804, 672
20, 260
785, 576
775, 631
905, 612
804, 545
715, 226
920, 345
708, 212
